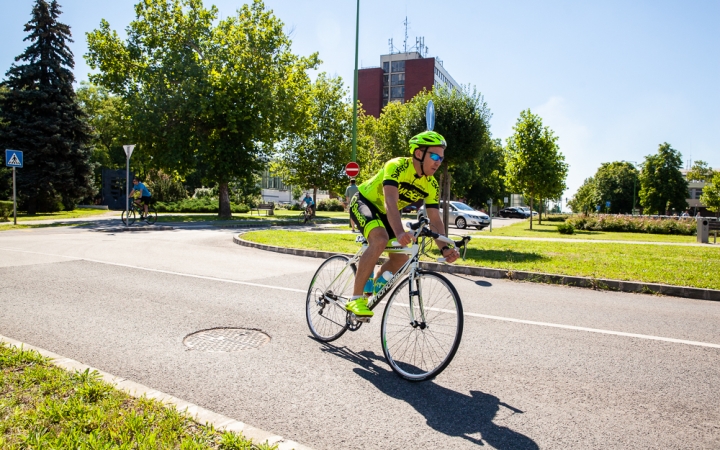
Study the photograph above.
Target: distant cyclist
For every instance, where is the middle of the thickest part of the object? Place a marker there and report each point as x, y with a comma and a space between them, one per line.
309, 204
375, 209
140, 194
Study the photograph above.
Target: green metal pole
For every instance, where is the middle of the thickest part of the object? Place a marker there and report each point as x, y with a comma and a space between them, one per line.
355, 89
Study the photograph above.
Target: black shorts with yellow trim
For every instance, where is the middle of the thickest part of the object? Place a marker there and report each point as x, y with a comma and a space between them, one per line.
367, 217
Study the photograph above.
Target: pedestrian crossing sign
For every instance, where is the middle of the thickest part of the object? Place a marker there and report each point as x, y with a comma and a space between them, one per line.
13, 158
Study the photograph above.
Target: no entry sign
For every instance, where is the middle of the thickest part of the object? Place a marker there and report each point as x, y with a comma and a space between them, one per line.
352, 169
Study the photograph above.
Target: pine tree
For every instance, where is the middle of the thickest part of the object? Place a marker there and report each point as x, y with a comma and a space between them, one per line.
40, 115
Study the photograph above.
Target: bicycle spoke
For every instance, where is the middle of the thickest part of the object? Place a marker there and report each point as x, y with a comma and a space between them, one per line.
325, 303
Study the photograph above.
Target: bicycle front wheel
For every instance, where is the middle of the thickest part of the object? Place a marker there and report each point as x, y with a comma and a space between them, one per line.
421, 333
329, 291
128, 218
151, 217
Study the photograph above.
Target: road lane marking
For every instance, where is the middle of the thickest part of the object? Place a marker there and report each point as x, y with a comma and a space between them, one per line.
467, 314
169, 272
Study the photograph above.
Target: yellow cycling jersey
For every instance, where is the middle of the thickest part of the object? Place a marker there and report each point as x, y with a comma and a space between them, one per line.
412, 187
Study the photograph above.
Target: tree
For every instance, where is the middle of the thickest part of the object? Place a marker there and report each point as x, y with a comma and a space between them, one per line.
585, 198
463, 119
41, 117
662, 186
700, 171
316, 156
481, 179
205, 95
533, 163
616, 182
711, 194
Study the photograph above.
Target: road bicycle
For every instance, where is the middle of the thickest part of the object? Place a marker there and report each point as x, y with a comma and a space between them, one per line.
139, 212
422, 323
305, 215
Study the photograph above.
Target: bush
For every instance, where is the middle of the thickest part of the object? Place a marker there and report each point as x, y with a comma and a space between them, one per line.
198, 205
204, 192
557, 217
330, 205
565, 228
629, 224
164, 188
6, 208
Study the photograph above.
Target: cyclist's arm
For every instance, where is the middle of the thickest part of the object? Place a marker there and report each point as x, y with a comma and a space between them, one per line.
393, 214
131, 192
437, 225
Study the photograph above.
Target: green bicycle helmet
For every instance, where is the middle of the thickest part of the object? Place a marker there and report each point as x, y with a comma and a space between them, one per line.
427, 139
424, 140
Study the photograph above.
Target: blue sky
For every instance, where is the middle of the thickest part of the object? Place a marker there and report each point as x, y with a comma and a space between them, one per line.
613, 79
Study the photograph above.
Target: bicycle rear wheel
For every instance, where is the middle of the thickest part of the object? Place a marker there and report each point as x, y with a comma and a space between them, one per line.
128, 218
151, 217
418, 349
329, 290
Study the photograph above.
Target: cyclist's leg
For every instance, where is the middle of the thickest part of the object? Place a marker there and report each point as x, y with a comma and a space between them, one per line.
370, 223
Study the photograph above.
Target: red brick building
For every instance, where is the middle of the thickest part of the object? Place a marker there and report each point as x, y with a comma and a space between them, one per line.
399, 78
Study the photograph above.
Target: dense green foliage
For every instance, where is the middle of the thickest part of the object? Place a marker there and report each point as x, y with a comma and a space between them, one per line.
565, 228
711, 194
534, 165
687, 227
208, 96
330, 205
662, 186
700, 171
615, 182
40, 116
165, 188
315, 156
198, 205
6, 210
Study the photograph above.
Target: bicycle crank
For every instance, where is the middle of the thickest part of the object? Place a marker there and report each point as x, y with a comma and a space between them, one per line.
354, 322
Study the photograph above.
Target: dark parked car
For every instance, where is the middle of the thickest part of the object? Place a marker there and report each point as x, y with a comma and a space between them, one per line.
513, 212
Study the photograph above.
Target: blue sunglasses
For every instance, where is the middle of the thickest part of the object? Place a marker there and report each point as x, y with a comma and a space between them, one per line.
435, 157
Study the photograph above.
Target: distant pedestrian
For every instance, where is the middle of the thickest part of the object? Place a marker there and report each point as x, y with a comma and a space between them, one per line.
349, 192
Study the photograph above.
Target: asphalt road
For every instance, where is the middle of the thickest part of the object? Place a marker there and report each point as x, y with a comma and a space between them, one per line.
536, 367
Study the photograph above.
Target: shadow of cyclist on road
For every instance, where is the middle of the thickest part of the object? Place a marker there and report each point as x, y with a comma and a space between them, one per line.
447, 411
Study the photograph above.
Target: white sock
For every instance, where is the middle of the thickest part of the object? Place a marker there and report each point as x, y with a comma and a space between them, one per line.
355, 297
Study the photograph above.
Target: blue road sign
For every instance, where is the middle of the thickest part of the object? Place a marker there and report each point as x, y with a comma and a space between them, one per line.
607, 204
597, 207
13, 158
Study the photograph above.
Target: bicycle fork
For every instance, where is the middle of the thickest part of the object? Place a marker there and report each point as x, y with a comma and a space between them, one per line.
415, 290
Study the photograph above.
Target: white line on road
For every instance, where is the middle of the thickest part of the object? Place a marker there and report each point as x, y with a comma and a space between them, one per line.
467, 314
224, 280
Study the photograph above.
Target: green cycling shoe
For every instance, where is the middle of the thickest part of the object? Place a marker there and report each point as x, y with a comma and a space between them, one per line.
359, 307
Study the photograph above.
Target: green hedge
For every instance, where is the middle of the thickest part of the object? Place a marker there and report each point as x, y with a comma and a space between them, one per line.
628, 224
198, 205
565, 228
6, 209
330, 205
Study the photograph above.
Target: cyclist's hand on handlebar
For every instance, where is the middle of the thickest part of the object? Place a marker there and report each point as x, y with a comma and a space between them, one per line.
405, 238
450, 255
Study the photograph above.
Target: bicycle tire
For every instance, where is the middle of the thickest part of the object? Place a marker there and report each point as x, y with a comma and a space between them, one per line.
128, 217
326, 319
151, 217
421, 353
302, 218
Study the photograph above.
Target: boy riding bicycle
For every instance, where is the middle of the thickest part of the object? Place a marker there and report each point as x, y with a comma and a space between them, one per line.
375, 209
140, 194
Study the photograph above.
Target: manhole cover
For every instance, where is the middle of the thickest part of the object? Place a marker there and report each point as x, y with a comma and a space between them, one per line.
226, 339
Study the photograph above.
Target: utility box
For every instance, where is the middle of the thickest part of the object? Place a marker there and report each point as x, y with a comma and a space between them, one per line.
703, 231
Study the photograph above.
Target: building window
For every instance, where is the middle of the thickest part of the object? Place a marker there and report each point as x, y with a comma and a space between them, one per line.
386, 93
385, 102
397, 92
385, 80
398, 66
698, 193
397, 79
386, 67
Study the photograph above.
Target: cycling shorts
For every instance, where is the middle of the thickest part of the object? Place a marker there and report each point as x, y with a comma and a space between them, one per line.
367, 217
145, 199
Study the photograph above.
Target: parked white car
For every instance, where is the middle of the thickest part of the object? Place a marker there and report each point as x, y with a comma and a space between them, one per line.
527, 210
464, 216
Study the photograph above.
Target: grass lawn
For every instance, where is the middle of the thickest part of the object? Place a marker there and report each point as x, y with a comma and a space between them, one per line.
4, 226
549, 230
74, 214
280, 215
675, 265
44, 406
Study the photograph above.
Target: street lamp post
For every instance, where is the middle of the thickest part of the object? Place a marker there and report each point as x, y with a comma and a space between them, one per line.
128, 152
355, 87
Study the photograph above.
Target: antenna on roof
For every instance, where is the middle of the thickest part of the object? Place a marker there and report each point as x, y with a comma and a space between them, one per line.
406, 36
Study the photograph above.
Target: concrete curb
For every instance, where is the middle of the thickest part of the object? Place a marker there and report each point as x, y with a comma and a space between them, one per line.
131, 228
565, 280
197, 413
